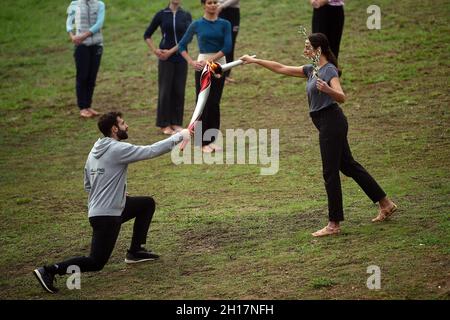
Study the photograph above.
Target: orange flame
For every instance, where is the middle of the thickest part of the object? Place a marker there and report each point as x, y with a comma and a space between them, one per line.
215, 67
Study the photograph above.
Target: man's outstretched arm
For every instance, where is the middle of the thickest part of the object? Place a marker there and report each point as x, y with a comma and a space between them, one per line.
129, 153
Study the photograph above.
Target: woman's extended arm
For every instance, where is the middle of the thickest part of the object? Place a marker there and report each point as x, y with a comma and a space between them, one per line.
276, 66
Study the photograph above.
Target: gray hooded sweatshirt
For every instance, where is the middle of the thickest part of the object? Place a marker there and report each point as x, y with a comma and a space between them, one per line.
105, 172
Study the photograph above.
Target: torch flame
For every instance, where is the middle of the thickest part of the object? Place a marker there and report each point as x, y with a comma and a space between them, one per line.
215, 67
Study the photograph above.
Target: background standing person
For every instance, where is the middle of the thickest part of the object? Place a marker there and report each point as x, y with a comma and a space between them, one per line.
230, 10
172, 68
214, 42
105, 178
324, 92
328, 18
87, 16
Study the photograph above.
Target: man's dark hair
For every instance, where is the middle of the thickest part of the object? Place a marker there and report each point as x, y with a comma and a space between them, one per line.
107, 121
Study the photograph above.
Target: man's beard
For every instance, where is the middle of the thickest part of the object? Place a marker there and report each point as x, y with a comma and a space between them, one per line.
122, 135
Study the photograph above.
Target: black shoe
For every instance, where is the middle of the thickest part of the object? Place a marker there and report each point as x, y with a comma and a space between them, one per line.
46, 279
140, 256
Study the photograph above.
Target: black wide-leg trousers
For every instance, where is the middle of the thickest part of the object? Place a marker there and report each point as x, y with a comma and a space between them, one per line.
336, 156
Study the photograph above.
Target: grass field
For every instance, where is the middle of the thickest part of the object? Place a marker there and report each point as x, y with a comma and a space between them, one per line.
225, 231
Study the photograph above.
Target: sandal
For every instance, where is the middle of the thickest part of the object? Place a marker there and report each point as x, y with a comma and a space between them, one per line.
94, 113
215, 147
326, 232
167, 131
85, 113
383, 214
229, 80
177, 128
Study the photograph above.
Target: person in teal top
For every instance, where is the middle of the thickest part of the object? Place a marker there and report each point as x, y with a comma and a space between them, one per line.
214, 42
212, 35
84, 22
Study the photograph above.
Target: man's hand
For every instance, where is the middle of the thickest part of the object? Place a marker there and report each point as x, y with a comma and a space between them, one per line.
186, 133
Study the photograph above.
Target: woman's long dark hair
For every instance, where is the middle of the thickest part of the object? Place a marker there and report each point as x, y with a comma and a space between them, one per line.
320, 40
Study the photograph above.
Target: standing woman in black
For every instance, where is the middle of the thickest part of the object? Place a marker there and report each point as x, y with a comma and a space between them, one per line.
328, 18
324, 92
230, 10
172, 68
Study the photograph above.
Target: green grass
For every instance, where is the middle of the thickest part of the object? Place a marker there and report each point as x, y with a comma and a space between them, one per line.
224, 231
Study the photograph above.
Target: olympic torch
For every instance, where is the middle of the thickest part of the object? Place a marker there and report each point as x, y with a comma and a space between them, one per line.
219, 69
211, 69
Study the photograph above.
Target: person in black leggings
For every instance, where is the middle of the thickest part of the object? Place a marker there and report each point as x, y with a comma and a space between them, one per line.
324, 91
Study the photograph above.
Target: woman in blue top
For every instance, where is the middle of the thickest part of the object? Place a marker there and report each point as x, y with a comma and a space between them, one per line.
324, 92
214, 41
84, 23
172, 68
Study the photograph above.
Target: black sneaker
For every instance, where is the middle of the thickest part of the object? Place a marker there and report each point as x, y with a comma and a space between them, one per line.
140, 256
46, 279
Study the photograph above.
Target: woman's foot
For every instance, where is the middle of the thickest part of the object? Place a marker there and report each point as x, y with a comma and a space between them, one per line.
215, 147
177, 128
330, 229
167, 130
207, 149
387, 208
229, 80
85, 113
94, 113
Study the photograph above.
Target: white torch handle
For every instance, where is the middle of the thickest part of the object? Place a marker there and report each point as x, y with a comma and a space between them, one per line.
228, 66
201, 102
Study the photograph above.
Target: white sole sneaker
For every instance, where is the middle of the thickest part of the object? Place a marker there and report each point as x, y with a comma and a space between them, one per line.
41, 281
137, 261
